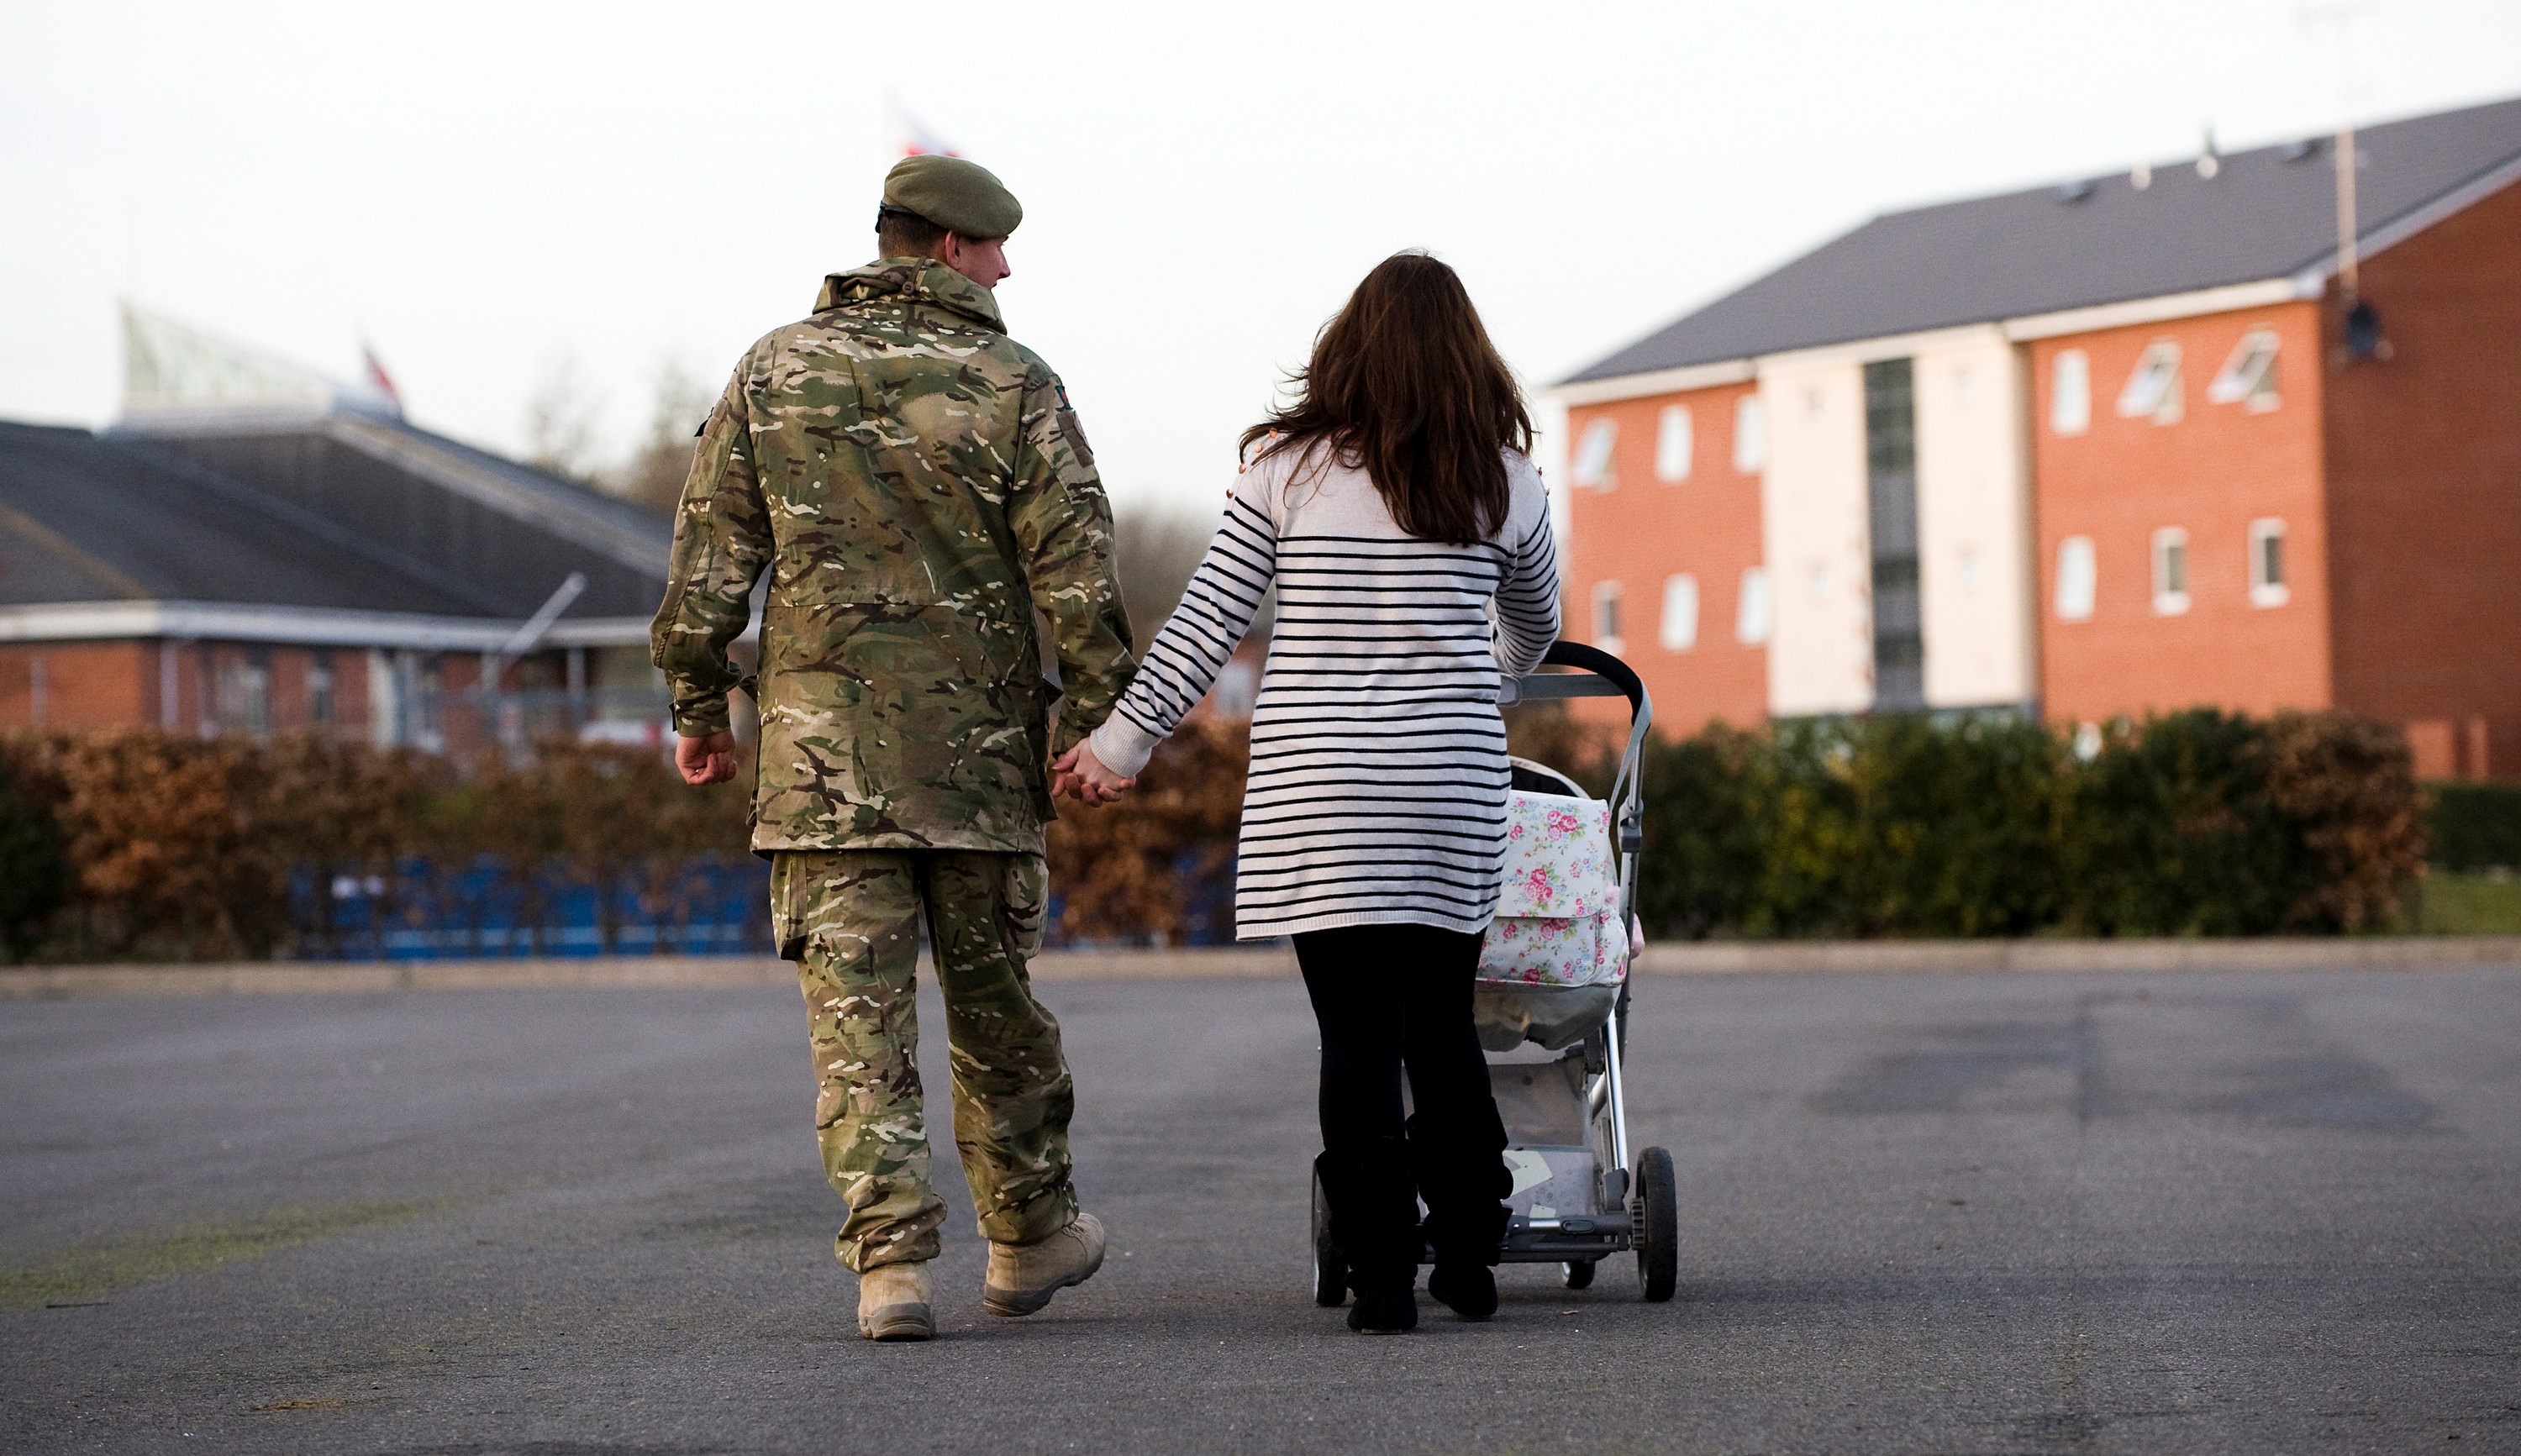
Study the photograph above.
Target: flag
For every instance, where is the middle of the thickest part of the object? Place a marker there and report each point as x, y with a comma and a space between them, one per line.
382, 382
918, 140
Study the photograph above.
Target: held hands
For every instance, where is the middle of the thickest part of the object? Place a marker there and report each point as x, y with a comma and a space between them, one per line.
1082, 777
710, 759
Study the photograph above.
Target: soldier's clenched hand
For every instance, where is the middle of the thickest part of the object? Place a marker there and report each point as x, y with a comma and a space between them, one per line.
1082, 777
708, 760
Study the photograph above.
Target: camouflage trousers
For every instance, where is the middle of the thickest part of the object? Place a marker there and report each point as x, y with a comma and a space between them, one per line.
850, 921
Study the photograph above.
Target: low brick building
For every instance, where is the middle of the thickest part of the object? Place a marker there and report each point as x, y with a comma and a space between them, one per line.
252, 549
2095, 450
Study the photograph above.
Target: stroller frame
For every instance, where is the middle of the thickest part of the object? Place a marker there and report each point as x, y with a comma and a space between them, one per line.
1619, 1205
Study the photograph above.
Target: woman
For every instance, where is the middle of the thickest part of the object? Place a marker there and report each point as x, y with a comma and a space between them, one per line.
1392, 503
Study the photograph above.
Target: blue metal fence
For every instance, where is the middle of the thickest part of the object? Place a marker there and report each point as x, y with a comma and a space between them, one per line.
703, 905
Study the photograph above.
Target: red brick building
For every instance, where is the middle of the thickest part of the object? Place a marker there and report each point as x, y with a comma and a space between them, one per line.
2092, 451
255, 550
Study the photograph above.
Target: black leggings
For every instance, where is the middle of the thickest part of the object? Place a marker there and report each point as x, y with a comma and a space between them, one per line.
1389, 997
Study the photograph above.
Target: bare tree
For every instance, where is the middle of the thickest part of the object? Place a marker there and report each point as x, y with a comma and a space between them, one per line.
654, 474
1159, 545
563, 420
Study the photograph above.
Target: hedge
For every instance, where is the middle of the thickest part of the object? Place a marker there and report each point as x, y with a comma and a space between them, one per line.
143, 845
2477, 826
2198, 823
139, 843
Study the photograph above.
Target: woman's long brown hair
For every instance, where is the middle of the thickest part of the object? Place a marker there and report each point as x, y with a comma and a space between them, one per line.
1405, 385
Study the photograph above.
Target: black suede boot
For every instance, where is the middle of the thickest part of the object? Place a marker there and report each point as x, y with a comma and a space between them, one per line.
1374, 1220
1464, 1180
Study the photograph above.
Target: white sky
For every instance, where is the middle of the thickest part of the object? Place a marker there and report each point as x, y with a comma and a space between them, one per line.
484, 190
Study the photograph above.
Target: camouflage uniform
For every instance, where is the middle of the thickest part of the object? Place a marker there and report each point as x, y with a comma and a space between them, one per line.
917, 487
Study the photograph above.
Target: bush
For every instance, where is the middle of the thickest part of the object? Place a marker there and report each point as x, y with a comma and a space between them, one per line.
2197, 823
183, 849
1898, 826
2476, 826
143, 844
34, 869
1130, 871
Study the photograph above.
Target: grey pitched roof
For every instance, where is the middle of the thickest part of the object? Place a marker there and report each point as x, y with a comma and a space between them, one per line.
507, 532
300, 519
2267, 213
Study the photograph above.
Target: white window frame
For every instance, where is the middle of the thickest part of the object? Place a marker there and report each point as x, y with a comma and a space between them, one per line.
2264, 591
2153, 390
1674, 444
1596, 462
1679, 627
1606, 617
1755, 616
2079, 579
2070, 392
2248, 377
2171, 572
1750, 435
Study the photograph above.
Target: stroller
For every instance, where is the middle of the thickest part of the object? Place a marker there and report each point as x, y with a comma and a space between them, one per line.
1551, 1005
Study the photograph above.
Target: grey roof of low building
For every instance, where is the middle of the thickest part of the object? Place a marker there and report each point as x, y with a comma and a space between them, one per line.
2268, 212
300, 519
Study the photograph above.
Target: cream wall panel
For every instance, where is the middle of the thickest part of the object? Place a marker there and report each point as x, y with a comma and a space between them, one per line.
1974, 523
1812, 518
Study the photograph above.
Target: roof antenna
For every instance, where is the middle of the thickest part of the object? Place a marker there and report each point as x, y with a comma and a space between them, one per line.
2208, 163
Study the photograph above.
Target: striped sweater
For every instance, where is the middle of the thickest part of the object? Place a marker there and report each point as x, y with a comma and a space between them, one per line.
1378, 786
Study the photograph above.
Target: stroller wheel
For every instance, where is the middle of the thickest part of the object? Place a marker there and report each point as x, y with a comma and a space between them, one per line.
1657, 1210
1577, 1273
1330, 1266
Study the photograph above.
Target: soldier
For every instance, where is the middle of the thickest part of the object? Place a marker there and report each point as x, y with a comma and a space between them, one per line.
917, 487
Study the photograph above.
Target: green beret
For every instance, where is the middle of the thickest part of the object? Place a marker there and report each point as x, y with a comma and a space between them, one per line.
956, 194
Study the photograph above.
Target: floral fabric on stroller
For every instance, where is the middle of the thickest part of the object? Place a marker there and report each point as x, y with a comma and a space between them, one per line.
1554, 958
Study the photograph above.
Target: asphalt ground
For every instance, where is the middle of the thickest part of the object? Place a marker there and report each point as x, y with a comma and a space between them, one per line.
2200, 1211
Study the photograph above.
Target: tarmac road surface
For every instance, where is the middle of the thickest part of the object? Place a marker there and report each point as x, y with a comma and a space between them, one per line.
2228, 1212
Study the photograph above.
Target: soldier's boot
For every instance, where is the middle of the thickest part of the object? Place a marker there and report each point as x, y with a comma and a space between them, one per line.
894, 1300
1023, 1276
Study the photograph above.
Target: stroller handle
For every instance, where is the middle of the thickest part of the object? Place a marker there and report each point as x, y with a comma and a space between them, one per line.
1598, 674
1565, 654
1606, 675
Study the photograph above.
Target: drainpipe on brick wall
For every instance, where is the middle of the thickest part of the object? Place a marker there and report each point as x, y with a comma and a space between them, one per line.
205, 691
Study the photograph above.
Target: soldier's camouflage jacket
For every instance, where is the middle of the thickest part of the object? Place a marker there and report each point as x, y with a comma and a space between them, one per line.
915, 484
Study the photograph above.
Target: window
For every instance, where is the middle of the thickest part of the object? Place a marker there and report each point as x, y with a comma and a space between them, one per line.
2170, 571
1751, 614
2154, 388
1593, 455
1750, 435
1606, 617
1679, 613
2077, 579
1672, 443
2268, 564
2248, 377
243, 694
2070, 392
319, 688
1894, 570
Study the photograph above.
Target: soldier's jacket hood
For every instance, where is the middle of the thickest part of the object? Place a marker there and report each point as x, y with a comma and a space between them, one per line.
920, 280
